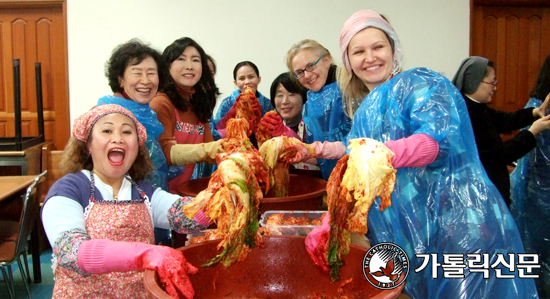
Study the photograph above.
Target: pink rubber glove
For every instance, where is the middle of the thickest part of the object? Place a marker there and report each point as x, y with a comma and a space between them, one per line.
222, 123
223, 132
326, 150
275, 124
99, 256
202, 219
317, 243
417, 150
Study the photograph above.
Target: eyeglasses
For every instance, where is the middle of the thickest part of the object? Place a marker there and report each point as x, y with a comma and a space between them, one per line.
494, 83
310, 67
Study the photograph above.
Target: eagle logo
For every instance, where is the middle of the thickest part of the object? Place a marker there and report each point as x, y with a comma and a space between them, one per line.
386, 266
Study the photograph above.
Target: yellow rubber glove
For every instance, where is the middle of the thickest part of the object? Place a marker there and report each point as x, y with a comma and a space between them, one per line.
184, 154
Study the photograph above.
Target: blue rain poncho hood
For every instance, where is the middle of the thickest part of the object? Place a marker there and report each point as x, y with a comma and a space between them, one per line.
143, 112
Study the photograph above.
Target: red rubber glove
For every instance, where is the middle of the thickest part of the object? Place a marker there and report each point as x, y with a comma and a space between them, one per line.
172, 268
252, 125
317, 244
257, 108
222, 123
275, 124
99, 256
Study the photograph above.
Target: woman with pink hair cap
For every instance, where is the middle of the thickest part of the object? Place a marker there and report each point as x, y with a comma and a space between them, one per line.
443, 202
100, 216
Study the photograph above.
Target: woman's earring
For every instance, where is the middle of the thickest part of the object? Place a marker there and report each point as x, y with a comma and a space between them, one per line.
395, 70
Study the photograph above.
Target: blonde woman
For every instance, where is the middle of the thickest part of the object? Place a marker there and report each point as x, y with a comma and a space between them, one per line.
443, 202
311, 64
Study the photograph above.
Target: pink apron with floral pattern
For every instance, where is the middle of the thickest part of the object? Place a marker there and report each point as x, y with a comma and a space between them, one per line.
185, 133
117, 222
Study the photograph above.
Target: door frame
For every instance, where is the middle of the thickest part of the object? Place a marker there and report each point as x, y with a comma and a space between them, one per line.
62, 133
34, 3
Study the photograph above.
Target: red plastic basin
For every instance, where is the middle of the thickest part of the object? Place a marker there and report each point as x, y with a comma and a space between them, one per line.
282, 269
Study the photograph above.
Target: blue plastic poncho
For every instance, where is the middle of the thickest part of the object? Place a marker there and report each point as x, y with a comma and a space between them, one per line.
202, 170
228, 102
148, 118
325, 120
215, 134
449, 206
530, 194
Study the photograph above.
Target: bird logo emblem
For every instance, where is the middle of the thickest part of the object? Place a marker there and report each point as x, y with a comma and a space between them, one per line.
386, 266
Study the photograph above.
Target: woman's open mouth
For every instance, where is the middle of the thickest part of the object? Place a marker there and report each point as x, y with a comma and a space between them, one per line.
116, 156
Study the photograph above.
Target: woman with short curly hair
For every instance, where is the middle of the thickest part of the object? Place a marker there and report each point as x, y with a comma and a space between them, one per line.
99, 217
135, 71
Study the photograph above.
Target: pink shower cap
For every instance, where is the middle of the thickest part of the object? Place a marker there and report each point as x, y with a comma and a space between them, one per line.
83, 125
361, 20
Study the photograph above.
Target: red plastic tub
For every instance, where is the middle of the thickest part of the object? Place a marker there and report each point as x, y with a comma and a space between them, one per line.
282, 269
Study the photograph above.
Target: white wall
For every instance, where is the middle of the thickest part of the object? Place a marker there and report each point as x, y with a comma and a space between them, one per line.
433, 34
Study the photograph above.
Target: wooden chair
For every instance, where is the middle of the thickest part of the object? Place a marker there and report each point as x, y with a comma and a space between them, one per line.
50, 162
11, 250
51, 159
